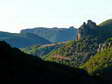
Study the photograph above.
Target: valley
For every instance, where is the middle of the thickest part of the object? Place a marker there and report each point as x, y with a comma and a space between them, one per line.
86, 57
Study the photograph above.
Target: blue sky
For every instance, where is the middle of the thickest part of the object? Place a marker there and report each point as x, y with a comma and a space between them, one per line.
19, 14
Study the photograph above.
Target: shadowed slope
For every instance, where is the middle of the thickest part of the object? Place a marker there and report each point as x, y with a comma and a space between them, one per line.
15, 65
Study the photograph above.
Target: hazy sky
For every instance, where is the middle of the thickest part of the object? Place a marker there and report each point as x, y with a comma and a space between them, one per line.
18, 14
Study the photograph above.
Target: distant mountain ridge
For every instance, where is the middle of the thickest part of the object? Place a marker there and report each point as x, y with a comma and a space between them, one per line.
38, 36
22, 39
54, 34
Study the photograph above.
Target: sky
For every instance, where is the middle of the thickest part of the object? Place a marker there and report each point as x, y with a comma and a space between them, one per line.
21, 14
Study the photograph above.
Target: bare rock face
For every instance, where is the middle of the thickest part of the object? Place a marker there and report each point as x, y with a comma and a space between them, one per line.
87, 29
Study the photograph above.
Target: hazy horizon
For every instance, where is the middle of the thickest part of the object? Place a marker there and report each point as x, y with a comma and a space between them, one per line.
20, 14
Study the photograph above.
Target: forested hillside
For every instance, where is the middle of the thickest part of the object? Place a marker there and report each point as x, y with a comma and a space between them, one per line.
17, 65
89, 38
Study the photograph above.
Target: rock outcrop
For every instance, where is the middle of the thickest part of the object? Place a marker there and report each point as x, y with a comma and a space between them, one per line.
106, 45
86, 29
